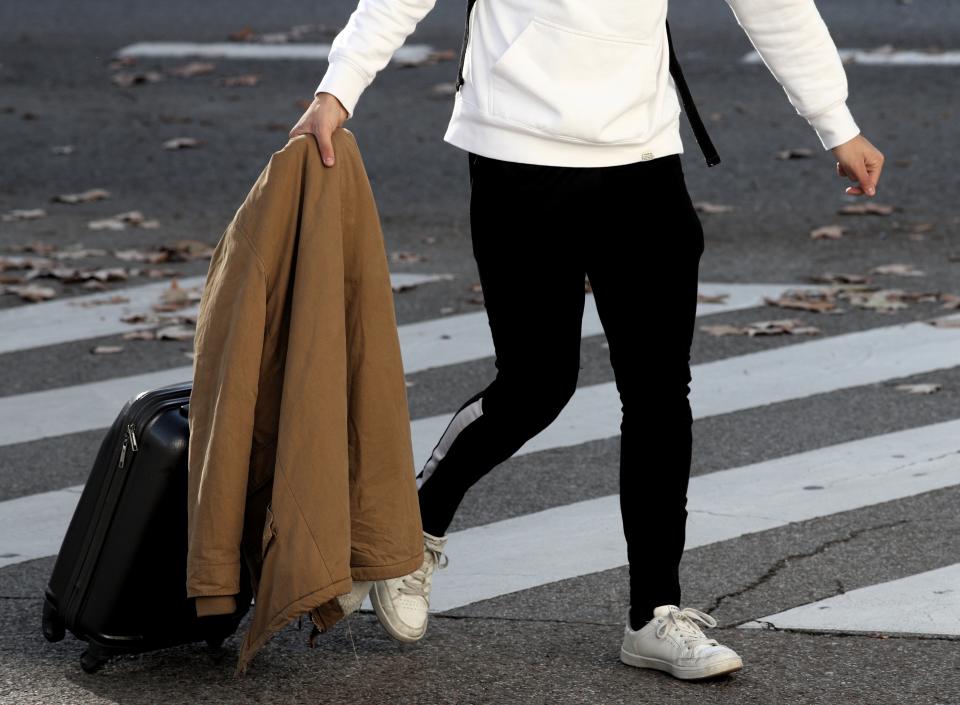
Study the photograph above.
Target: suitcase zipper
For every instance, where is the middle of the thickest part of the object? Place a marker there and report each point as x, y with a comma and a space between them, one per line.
131, 440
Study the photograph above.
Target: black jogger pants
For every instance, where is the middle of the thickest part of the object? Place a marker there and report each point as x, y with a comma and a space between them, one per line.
537, 231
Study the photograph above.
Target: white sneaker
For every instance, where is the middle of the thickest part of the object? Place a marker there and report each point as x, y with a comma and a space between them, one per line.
673, 642
351, 601
401, 603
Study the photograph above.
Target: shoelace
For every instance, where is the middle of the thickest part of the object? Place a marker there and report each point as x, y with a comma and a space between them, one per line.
416, 582
685, 621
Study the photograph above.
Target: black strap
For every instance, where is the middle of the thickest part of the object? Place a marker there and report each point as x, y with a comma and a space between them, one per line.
689, 107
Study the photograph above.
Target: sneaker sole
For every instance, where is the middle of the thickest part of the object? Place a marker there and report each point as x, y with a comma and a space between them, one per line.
683, 672
384, 618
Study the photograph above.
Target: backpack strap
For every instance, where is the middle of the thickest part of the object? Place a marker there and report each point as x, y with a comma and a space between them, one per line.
689, 107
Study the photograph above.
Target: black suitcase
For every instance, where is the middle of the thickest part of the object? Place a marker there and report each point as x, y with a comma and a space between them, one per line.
119, 581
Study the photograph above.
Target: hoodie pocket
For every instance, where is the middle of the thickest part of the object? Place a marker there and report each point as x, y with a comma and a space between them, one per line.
269, 532
577, 85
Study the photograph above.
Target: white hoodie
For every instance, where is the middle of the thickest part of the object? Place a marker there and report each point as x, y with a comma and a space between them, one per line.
587, 82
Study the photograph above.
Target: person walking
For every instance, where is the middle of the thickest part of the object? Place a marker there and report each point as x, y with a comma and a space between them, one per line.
570, 118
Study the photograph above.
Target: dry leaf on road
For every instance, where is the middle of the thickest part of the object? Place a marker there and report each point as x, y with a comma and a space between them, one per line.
792, 326
828, 232
121, 221
247, 79
866, 208
31, 292
94, 194
182, 143
922, 388
795, 153
900, 269
194, 68
24, 214
707, 207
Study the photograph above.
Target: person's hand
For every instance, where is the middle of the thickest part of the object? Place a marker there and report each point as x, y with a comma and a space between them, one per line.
859, 161
324, 115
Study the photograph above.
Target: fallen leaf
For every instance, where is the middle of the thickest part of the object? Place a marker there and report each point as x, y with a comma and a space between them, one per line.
795, 153
866, 208
839, 277
448, 88
109, 301
831, 232
128, 78
707, 207
24, 214
900, 269
944, 322
106, 349
182, 143
431, 58
923, 388
35, 246
121, 221
712, 298
194, 68
792, 326
153, 257
31, 292
805, 300
62, 149
146, 334
21, 262
950, 301
77, 252
94, 194
402, 256
242, 35
247, 79
121, 62
175, 333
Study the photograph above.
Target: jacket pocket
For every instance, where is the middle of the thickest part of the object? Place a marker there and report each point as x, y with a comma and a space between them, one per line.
578, 85
269, 532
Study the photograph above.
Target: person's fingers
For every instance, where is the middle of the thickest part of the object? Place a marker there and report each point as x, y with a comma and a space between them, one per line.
325, 140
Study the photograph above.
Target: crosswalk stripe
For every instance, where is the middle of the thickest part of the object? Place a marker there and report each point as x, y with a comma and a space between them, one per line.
445, 341
883, 56
746, 381
34, 526
925, 603
253, 50
80, 317
437, 341
587, 537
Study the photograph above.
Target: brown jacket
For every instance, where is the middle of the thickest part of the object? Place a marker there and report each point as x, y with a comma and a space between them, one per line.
300, 459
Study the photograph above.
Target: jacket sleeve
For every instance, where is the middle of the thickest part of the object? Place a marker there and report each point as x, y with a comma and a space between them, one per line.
374, 32
227, 355
794, 43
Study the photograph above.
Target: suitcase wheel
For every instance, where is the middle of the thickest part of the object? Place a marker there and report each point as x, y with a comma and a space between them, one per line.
53, 627
92, 660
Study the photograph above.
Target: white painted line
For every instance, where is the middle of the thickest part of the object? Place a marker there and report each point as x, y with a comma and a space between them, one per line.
251, 50
34, 526
926, 603
70, 319
466, 337
444, 341
587, 537
882, 56
748, 381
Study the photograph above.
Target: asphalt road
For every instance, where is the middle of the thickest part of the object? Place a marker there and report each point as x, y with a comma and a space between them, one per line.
557, 642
